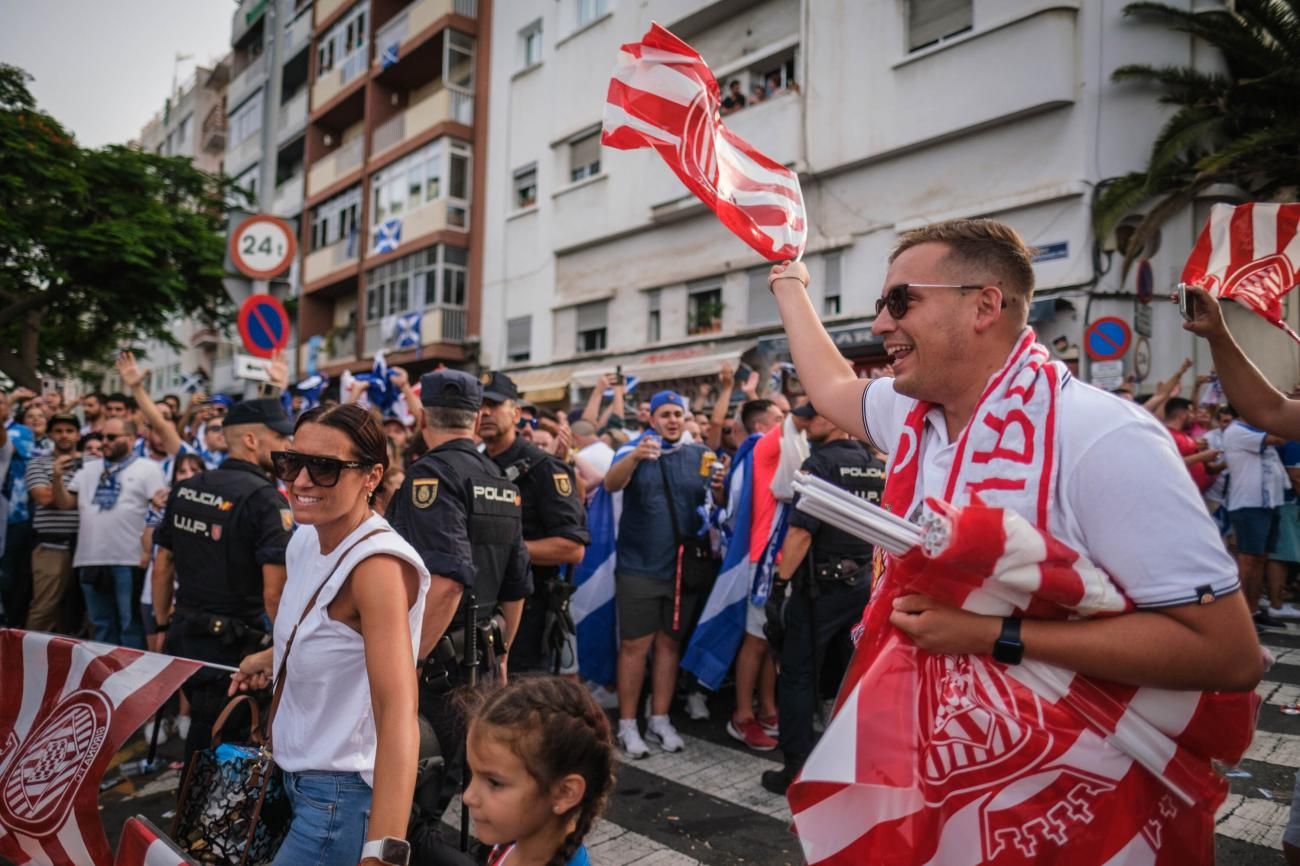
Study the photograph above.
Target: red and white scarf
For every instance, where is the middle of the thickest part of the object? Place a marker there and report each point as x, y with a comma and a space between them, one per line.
958, 759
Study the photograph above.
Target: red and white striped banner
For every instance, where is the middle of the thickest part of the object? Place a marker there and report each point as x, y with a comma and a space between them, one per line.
662, 95
1251, 254
143, 845
66, 707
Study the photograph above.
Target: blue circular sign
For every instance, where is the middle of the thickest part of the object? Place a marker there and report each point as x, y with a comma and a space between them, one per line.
263, 325
1107, 339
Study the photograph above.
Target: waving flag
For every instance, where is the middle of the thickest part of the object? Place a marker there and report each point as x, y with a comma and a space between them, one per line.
388, 236
662, 95
1251, 254
143, 845
406, 330
715, 640
593, 602
67, 706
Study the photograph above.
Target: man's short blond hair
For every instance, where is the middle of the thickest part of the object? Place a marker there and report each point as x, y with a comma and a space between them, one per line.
986, 247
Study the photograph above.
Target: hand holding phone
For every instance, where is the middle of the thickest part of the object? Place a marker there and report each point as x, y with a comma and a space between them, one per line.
1187, 305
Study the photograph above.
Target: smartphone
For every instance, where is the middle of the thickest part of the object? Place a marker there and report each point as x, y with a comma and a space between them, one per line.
618, 375
1186, 303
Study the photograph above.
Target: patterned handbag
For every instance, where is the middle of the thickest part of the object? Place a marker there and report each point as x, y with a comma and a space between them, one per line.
233, 808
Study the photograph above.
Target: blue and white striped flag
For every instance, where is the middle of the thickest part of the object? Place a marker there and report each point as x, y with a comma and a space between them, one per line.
593, 608
716, 639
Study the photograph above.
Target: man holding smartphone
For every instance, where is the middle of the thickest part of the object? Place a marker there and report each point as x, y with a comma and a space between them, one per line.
55, 530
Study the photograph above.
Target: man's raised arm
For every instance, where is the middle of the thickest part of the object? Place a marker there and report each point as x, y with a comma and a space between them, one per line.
827, 377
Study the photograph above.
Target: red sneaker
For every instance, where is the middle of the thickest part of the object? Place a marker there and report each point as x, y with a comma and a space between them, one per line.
771, 724
751, 733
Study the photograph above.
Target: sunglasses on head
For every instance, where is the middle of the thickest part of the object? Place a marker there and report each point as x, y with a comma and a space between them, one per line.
896, 298
323, 471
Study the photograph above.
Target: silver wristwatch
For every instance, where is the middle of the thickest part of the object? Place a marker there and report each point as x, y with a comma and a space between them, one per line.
396, 852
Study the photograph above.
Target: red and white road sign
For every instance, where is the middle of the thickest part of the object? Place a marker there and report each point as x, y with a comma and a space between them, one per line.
262, 247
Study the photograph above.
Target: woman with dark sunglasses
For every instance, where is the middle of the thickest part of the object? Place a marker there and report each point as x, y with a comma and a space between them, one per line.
345, 731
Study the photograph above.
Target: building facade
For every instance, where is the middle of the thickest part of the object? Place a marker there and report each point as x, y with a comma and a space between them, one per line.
390, 232
894, 114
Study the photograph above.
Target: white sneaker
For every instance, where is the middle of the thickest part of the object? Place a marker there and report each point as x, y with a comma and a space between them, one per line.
660, 731
697, 707
630, 739
183, 726
604, 697
1286, 611
147, 731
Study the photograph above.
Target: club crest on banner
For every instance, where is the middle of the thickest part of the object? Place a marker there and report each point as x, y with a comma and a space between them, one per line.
43, 773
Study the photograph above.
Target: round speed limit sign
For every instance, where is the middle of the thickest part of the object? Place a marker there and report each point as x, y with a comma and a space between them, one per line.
262, 246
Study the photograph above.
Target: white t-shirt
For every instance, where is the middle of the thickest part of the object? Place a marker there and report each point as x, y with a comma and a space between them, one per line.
1218, 491
1124, 498
1259, 479
598, 455
325, 720
112, 537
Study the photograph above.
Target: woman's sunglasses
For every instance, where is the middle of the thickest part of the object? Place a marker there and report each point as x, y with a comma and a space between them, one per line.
896, 298
323, 471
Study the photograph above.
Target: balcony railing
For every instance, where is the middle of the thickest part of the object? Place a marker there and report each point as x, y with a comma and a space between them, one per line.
439, 324
297, 35
329, 84
328, 170
214, 130
415, 19
438, 215
326, 260
245, 17
288, 197
243, 154
293, 116
246, 81
439, 106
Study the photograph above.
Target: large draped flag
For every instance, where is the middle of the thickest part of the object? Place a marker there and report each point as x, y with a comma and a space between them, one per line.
662, 95
66, 708
592, 605
714, 642
143, 845
1251, 254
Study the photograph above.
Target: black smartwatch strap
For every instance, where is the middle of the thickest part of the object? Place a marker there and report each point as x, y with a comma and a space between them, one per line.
1008, 648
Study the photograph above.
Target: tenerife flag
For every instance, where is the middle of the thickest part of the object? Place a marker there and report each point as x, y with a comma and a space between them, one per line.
593, 602
722, 624
381, 392
629, 386
388, 236
406, 330
389, 57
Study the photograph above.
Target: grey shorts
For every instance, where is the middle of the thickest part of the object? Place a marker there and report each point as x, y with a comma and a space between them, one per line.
645, 606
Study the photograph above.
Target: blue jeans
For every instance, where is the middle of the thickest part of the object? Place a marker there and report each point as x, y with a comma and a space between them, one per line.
114, 612
331, 812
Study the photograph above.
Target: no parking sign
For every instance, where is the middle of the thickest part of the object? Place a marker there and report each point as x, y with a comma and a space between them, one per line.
263, 325
1107, 339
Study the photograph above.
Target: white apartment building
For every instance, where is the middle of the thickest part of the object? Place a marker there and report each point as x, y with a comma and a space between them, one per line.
905, 112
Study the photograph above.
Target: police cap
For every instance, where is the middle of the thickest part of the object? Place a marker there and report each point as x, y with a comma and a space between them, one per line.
450, 389
498, 388
267, 411
805, 411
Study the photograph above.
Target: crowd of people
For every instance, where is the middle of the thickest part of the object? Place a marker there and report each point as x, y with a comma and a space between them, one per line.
441, 527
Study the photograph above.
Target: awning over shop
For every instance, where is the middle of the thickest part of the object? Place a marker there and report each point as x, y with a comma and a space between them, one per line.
677, 362
544, 384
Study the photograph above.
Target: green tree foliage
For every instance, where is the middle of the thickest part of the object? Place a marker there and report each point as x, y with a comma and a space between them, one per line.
1239, 126
97, 247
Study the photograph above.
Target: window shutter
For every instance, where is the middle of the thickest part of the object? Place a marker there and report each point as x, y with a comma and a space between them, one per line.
931, 20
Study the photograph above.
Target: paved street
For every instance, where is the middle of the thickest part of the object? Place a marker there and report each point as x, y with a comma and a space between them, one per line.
705, 805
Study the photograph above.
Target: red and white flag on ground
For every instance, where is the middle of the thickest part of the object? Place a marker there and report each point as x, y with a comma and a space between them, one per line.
66, 707
143, 845
1251, 254
662, 95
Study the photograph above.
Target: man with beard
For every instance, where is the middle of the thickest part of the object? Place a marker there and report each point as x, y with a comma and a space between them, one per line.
222, 539
555, 529
660, 473
55, 530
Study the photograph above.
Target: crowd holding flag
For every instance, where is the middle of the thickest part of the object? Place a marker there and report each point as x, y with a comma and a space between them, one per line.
593, 608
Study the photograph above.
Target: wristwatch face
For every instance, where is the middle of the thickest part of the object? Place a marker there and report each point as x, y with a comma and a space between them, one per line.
396, 851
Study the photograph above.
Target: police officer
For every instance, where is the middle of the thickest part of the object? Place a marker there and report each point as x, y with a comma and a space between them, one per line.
831, 575
458, 510
223, 538
555, 530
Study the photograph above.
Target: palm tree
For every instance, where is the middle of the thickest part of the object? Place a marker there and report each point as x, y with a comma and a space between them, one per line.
1239, 127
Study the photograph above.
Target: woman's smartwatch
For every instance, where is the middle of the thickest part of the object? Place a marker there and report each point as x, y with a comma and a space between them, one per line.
390, 850
1007, 648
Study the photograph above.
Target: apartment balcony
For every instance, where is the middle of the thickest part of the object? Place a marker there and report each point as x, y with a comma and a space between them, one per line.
293, 117
212, 137
246, 15
326, 260
340, 163
289, 197
248, 80
412, 21
445, 104
297, 36
240, 156
332, 83
438, 215
438, 325
323, 9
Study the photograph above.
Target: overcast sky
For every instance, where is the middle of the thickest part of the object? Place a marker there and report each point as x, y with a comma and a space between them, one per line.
103, 67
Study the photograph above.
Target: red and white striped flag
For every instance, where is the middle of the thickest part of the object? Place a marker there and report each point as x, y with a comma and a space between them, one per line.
1251, 254
143, 845
65, 709
662, 95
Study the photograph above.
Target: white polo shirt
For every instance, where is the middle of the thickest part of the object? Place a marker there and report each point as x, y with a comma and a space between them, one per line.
1123, 499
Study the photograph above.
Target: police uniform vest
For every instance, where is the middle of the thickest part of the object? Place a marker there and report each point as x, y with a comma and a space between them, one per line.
216, 569
493, 517
847, 464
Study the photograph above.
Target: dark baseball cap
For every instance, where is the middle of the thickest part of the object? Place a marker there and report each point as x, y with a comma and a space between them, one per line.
498, 388
267, 411
804, 411
450, 389
64, 418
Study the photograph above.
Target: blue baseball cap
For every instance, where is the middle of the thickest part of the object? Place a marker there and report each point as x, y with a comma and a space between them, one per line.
664, 397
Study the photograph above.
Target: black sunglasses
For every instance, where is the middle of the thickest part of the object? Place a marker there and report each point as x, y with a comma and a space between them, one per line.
323, 471
897, 300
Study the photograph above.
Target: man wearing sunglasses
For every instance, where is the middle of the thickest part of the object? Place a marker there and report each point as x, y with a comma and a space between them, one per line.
977, 406
222, 540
